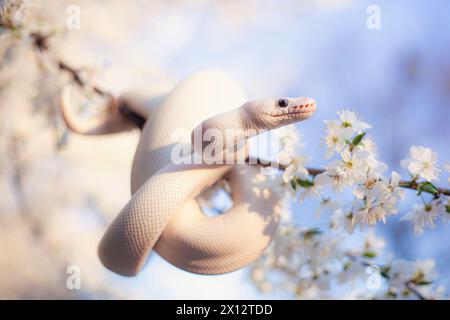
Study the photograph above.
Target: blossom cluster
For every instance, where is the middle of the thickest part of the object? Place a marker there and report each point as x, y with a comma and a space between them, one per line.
311, 264
354, 165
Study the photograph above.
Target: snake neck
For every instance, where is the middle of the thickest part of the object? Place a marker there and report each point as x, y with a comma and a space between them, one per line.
227, 131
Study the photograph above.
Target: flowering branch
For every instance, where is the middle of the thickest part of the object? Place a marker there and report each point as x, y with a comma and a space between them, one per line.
411, 184
410, 284
310, 261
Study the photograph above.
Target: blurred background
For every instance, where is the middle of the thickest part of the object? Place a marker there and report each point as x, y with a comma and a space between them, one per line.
59, 190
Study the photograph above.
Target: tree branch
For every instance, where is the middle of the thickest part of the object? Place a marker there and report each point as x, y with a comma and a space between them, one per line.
413, 185
411, 287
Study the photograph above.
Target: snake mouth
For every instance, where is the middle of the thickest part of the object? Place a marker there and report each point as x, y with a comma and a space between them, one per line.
300, 111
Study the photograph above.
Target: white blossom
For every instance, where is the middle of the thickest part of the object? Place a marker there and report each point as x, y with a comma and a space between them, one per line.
290, 139
342, 220
419, 274
422, 162
295, 167
327, 205
336, 137
352, 167
369, 187
331, 178
350, 119
313, 191
369, 213
373, 243
424, 215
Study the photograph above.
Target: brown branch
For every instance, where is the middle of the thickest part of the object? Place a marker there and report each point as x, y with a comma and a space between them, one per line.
40, 42
78, 79
413, 185
411, 287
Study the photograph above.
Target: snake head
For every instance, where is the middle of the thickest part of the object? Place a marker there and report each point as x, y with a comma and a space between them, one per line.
272, 113
228, 130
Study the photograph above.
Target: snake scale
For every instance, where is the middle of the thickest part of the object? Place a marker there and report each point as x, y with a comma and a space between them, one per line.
164, 214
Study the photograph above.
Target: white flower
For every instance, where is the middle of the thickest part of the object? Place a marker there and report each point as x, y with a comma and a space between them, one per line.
393, 187
369, 146
313, 191
373, 243
336, 137
295, 167
424, 215
342, 220
424, 270
369, 186
422, 162
327, 205
331, 178
284, 158
369, 213
350, 119
387, 193
352, 167
400, 272
419, 273
290, 138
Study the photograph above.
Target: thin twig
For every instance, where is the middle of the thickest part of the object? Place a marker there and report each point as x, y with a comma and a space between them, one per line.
411, 287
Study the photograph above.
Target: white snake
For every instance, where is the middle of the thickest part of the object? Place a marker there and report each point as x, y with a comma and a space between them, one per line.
164, 214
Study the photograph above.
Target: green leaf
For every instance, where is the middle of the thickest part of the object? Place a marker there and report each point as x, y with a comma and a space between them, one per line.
422, 283
311, 233
369, 254
427, 187
293, 184
357, 140
346, 124
447, 208
384, 271
304, 183
347, 265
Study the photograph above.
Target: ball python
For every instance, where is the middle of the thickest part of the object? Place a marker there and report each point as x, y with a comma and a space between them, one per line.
164, 214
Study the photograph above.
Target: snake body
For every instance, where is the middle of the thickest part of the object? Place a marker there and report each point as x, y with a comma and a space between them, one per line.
163, 213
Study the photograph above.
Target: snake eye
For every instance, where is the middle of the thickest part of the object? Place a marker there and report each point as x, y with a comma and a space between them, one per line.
282, 103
